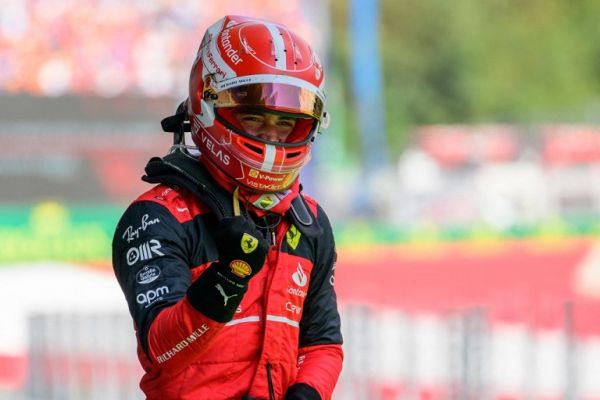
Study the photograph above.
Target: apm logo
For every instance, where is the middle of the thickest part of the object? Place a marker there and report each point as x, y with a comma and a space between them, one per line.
143, 252
152, 295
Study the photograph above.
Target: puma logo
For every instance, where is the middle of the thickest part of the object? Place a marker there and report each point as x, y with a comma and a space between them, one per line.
222, 291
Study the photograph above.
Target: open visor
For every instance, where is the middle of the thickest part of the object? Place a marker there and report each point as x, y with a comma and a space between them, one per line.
275, 96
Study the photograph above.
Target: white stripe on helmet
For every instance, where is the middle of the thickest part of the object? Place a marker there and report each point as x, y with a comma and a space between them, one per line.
278, 46
269, 157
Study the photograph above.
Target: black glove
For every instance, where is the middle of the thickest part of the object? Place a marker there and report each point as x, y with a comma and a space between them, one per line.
242, 251
302, 391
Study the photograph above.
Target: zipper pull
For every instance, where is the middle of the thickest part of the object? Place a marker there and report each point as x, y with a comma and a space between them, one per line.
270, 232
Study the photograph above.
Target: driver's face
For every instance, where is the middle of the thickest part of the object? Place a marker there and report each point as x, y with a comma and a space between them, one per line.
266, 125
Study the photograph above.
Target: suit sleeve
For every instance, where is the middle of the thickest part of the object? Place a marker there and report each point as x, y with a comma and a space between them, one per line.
151, 260
320, 355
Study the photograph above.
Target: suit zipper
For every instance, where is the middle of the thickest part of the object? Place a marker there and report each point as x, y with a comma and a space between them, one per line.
270, 232
270, 382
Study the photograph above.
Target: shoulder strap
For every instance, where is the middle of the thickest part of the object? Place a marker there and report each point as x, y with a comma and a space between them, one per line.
179, 168
303, 218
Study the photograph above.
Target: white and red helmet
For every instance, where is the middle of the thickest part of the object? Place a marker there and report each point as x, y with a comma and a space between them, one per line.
254, 64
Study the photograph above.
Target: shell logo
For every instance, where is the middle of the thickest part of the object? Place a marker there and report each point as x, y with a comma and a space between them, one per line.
240, 268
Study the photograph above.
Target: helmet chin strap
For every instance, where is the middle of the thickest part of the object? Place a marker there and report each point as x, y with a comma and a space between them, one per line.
236, 201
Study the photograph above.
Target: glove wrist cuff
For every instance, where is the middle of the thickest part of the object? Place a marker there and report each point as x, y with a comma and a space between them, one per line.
302, 391
216, 295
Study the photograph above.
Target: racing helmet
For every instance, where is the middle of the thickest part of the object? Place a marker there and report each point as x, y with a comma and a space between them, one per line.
250, 65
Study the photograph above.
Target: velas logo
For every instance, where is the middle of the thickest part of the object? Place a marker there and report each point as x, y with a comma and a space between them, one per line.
215, 149
249, 243
299, 277
240, 268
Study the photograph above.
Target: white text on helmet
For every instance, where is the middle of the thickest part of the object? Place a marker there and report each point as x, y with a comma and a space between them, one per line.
210, 145
216, 69
270, 178
263, 186
231, 53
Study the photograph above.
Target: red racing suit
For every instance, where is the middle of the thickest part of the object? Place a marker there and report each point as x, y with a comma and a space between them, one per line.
285, 331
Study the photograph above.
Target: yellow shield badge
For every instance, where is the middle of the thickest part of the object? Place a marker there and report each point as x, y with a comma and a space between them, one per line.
292, 236
249, 243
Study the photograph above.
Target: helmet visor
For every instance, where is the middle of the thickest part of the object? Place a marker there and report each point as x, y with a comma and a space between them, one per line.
275, 96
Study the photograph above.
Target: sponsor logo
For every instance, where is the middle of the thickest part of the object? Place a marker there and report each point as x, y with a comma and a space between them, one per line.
291, 307
292, 236
332, 277
240, 268
212, 147
297, 292
132, 233
270, 178
253, 173
195, 335
266, 202
249, 243
222, 291
163, 195
211, 60
144, 251
233, 82
228, 48
299, 277
265, 186
152, 296
147, 275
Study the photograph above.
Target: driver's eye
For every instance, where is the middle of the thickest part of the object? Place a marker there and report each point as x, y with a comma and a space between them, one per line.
253, 118
286, 123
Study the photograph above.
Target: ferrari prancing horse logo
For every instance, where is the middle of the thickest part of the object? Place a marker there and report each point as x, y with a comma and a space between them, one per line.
249, 243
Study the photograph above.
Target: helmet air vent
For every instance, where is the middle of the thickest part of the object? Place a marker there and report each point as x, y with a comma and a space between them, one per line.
254, 148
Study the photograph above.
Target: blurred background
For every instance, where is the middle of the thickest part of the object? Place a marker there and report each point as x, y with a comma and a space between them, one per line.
461, 174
